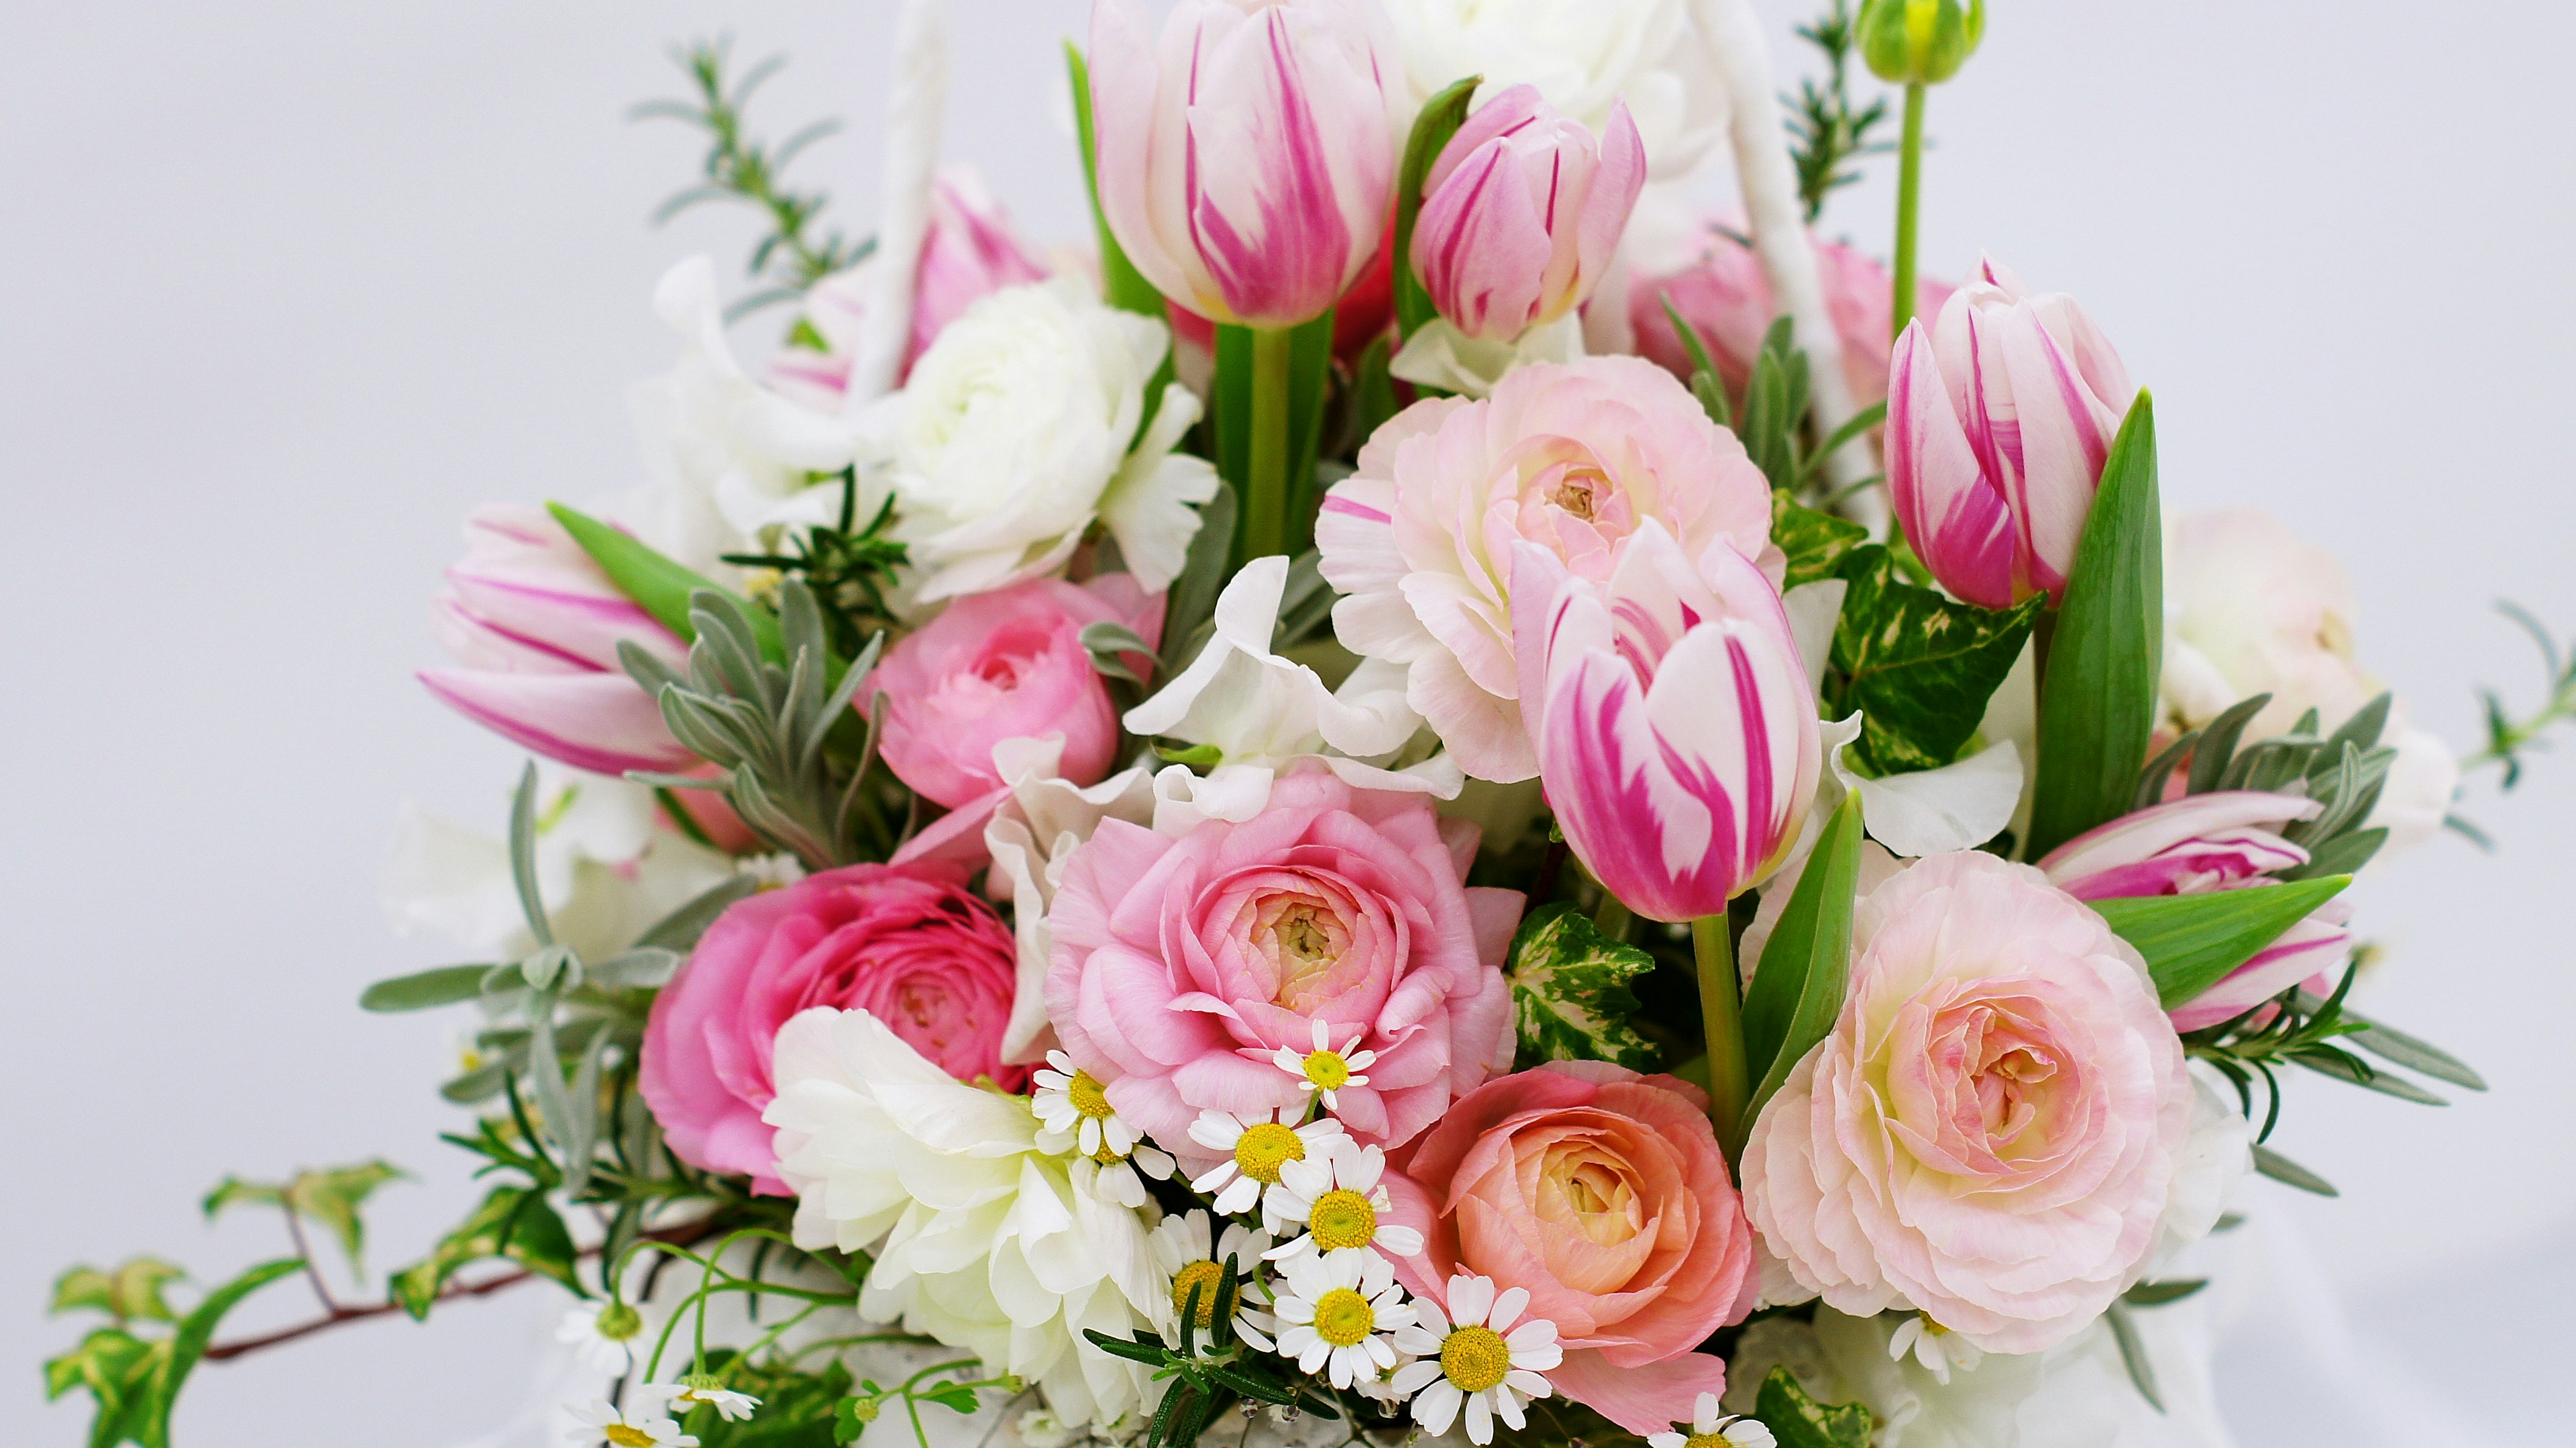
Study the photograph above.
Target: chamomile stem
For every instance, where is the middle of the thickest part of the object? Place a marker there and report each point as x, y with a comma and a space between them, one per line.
1266, 500
1909, 200
1721, 1012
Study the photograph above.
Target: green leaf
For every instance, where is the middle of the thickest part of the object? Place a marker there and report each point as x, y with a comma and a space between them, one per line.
2391, 1044
1797, 989
196, 1333
129, 1294
1121, 285
658, 585
1705, 384
1439, 119
513, 1222
116, 1368
1799, 1421
2097, 707
679, 930
1815, 541
2289, 1173
523, 855
1373, 398
1920, 666
1571, 993
442, 986
1853, 426
330, 1199
2191, 942
1191, 603
2133, 1355
2347, 1067
2157, 1294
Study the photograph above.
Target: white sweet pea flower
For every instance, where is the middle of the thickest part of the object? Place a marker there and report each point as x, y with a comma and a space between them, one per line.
1012, 436
1437, 354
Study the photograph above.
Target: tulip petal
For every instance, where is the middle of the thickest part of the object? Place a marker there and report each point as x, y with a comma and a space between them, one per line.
1953, 513
601, 722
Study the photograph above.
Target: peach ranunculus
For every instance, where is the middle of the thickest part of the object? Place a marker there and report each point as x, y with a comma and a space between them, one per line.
1601, 1193
1571, 457
1988, 1134
1180, 965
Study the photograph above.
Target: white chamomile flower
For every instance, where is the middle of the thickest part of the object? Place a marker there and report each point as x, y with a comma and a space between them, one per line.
601, 1334
678, 1398
1337, 1193
1480, 1355
1256, 1146
1339, 1315
1937, 1348
1713, 1427
1324, 1070
1074, 1115
600, 1422
1193, 1254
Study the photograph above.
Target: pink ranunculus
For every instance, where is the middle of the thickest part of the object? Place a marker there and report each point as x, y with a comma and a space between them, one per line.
1180, 966
1726, 297
1988, 1134
1572, 458
1522, 213
534, 625
1247, 161
2204, 842
1601, 1193
908, 944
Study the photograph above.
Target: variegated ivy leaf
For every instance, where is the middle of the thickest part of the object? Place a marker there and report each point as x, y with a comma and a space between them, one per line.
331, 1199
1571, 995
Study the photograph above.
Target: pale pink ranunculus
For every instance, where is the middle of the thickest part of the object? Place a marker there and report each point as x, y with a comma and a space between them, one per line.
1675, 728
1989, 1132
1602, 1194
1521, 214
1246, 162
534, 625
909, 944
1725, 296
2223, 840
1179, 966
1570, 457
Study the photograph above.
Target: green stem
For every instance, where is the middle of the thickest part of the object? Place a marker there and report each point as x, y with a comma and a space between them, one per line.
1721, 1011
1613, 919
1265, 502
1909, 201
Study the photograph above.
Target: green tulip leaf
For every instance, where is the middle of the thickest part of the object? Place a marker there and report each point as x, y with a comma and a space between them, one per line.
2191, 942
1440, 118
1797, 990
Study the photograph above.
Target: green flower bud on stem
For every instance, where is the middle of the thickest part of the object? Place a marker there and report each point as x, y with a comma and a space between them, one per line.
1919, 42
619, 1322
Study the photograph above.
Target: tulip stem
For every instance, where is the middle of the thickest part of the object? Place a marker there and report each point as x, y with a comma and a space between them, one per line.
1266, 498
1909, 202
1721, 1011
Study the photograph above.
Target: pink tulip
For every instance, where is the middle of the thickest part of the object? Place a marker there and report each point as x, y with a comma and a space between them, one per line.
1522, 212
1247, 163
2201, 843
1674, 726
1999, 419
534, 627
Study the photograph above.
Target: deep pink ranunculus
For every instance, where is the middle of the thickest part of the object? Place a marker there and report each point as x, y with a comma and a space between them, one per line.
1602, 1193
1179, 966
909, 944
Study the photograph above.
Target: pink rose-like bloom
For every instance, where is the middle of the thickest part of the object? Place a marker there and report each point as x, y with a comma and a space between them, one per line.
1726, 297
1999, 419
1522, 212
908, 944
1675, 728
1572, 458
2205, 842
1601, 1193
534, 625
1178, 967
1989, 1132
1247, 162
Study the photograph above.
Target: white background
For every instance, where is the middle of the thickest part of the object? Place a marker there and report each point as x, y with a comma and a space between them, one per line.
286, 286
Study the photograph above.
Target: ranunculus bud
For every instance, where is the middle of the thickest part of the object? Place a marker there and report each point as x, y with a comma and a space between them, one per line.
1522, 212
1919, 42
1999, 419
1246, 164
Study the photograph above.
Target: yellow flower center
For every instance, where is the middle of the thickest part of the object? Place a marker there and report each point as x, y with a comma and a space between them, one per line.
1264, 1148
626, 1437
1577, 491
1707, 1440
1328, 1070
1089, 1097
1475, 1358
1105, 1156
1933, 1328
1202, 1278
1344, 1318
1342, 1218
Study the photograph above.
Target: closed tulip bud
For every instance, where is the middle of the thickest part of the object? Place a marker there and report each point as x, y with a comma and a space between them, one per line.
1999, 419
1674, 725
1246, 162
1919, 42
1522, 212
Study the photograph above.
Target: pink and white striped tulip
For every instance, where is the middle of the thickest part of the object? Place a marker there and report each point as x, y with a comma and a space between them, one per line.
1999, 418
533, 626
2221, 841
1674, 726
1522, 213
1246, 163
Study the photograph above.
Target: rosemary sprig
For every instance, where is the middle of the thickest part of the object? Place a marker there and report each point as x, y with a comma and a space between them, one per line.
1827, 130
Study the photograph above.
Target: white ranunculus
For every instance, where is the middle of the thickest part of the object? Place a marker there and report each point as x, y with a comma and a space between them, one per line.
727, 456
1012, 437
1845, 1360
1583, 55
981, 1240
1043, 819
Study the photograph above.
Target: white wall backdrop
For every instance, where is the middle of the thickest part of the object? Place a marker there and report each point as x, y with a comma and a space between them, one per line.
286, 286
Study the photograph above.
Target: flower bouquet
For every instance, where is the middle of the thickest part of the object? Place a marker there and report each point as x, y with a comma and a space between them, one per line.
1425, 795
